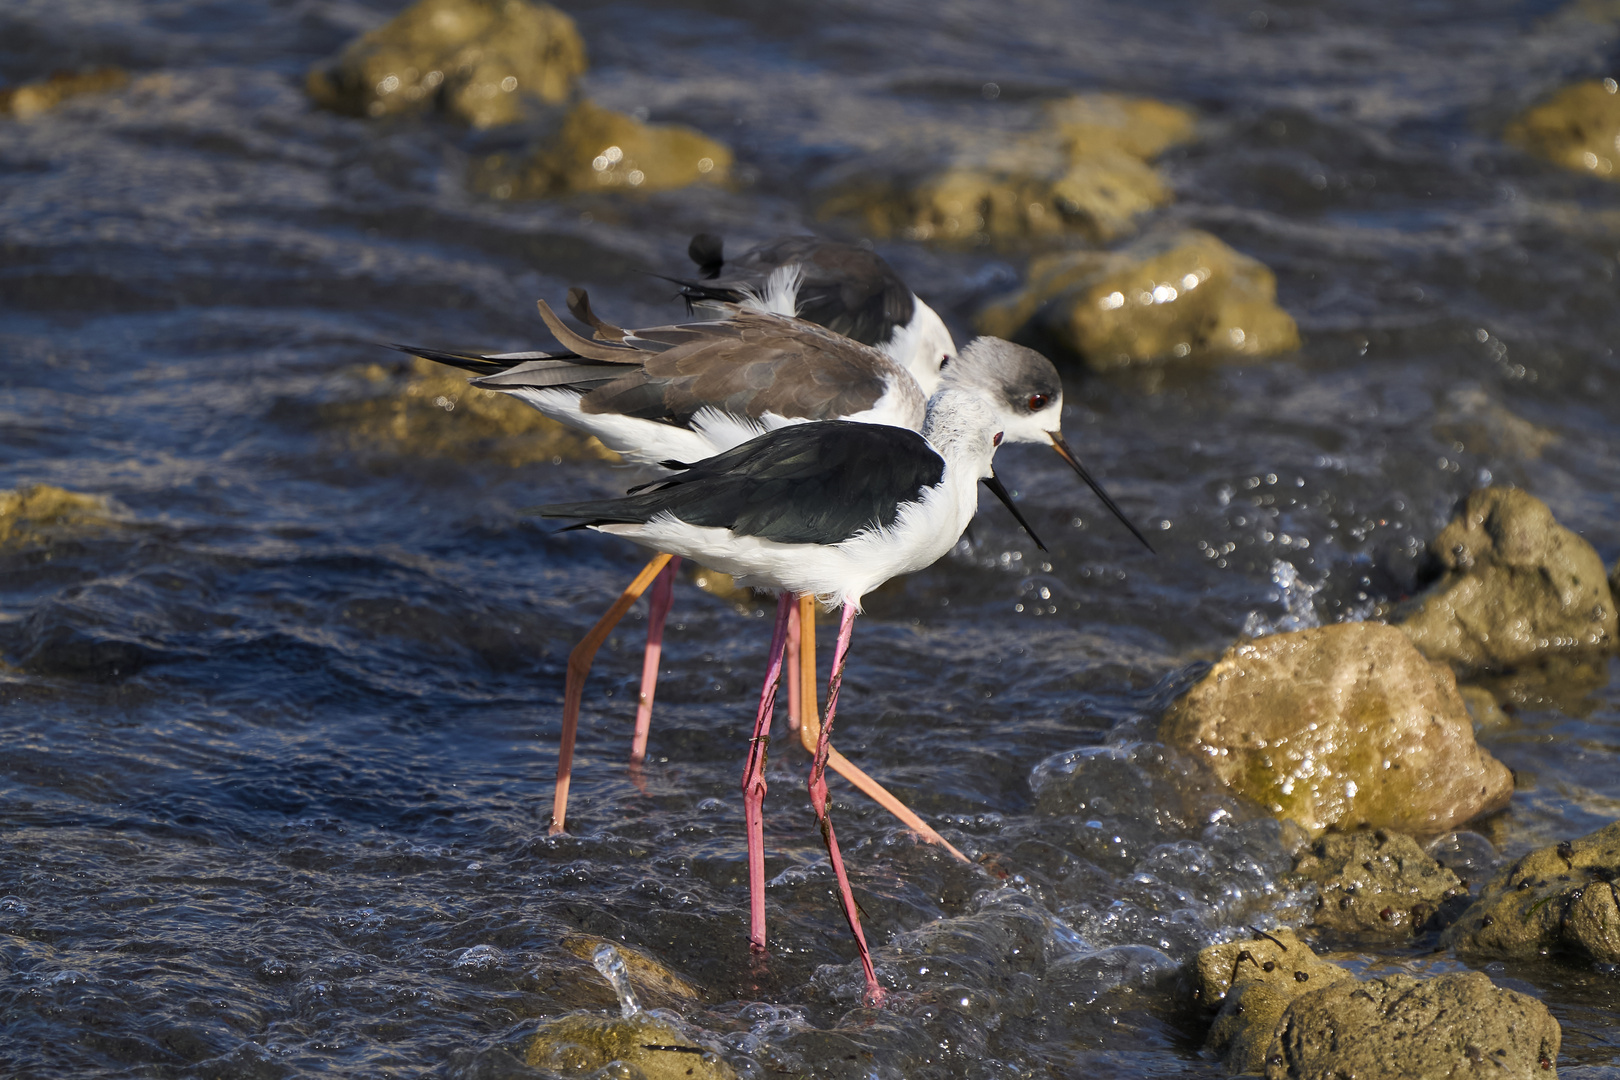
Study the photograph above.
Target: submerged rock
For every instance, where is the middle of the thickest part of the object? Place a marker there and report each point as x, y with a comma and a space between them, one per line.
1344, 726
1517, 587
1563, 897
1458, 1025
1379, 882
656, 1049
646, 973
1083, 173
1254, 982
1578, 128
30, 99
479, 60
1182, 294
35, 515
1469, 416
597, 149
432, 411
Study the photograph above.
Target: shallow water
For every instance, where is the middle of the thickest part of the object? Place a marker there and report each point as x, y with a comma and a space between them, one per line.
276, 777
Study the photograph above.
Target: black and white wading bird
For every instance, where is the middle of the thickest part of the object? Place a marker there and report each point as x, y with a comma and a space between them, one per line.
690, 391
832, 510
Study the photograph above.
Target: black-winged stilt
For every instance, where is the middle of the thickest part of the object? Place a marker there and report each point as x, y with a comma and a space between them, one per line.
847, 288
832, 510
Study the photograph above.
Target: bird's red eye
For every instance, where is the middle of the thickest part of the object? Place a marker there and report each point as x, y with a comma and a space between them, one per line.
996, 441
1037, 402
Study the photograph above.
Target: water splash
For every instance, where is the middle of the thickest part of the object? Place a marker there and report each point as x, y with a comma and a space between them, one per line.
1295, 594
611, 965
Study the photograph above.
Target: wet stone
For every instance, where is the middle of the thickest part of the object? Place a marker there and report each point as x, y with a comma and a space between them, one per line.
1081, 174
645, 972
429, 411
32, 98
1172, 296
1459, 1025
1516, 588
1578, 128
597, 149
1561, 898
35, 515
1345, 726
654, 1048
1470, 416
1379, 882
481, 61
1253, 982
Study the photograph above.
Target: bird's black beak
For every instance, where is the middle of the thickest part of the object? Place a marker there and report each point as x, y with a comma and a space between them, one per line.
994, 484
1068, 455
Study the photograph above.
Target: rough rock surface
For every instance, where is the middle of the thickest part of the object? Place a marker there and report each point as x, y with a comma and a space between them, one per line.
1254, 982
1517, 587
1445, 1028
646, 974
431, 411
1563, 897
478, 60
1083, 173
597, 149
1379, 882
33, 515
1345, 726
1183, 294
582, 1042
30, 99
1578, 127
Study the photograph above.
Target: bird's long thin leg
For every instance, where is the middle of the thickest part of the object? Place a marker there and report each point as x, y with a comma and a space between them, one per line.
753, 781
579, 665
810, 733
875, 993
795, 702
663, 592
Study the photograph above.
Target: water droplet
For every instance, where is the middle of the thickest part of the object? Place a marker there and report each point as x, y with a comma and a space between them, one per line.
611, 965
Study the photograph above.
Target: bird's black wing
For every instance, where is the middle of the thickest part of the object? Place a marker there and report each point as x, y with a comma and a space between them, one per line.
818, 483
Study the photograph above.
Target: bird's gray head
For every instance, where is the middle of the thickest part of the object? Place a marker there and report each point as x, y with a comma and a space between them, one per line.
1021, 384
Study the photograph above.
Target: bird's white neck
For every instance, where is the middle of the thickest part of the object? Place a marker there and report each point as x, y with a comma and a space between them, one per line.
962, 429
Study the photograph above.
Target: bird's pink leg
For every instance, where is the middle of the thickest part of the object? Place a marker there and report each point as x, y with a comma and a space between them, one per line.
795, 619
662, 593
753, 781
579, 665
875, 993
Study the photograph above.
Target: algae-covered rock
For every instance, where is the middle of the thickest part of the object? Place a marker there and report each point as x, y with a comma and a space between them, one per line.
1344, 726
657, 1049
1378, 882
1254, 982
646, 973
1517, 587
433, 412
32, 98
35, 515
1183, 294
479, 60
597, 149
1578, 128
1082, 174
1454, 1026
1563, 897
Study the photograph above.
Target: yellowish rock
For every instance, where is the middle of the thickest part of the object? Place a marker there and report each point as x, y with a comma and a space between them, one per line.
597, 149
1179, 295
646, 973
1470, 417
1141, 127
1254, 982
431, 411
1518, 588
657, 1050
30, 99
1083, 174
1344, 726
479, 60
1578, 127
33, 515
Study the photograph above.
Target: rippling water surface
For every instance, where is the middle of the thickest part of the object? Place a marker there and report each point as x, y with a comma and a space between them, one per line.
278, 736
